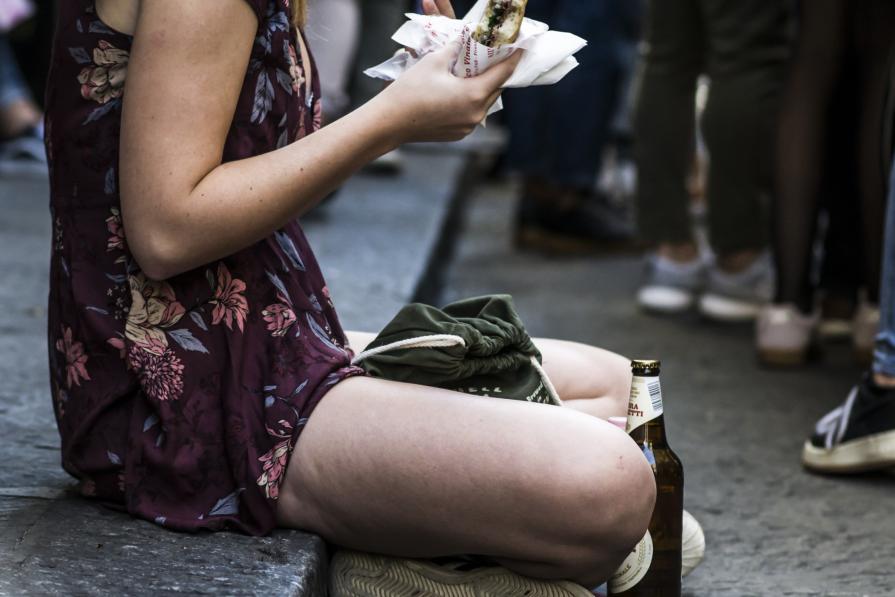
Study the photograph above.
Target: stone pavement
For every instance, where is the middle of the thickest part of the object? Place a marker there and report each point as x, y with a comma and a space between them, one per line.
771, 528
375, 242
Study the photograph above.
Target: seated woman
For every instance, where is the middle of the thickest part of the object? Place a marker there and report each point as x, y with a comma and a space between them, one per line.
190, 356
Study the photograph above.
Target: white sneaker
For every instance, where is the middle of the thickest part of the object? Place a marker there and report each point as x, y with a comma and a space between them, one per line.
670, 286
692, 544
738, 297
784, 336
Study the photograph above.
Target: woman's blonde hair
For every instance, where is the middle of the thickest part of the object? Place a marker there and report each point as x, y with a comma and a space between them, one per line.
299, 12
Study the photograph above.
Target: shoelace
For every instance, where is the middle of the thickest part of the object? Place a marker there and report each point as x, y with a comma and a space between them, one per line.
833, 425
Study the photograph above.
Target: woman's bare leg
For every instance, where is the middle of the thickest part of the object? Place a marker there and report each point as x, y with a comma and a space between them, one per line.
587, 378
415, 471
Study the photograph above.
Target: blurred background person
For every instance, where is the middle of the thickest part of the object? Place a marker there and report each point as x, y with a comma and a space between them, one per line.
348, 37
834, 104
21, 121
558, 133
332, 30
741, 45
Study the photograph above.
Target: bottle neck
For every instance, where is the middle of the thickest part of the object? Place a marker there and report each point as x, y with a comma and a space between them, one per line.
651, 432
645, 403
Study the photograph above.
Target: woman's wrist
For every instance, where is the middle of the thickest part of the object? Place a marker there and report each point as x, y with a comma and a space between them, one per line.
387, 121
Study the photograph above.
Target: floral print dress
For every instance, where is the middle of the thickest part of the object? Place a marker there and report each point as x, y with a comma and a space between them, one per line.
180, 400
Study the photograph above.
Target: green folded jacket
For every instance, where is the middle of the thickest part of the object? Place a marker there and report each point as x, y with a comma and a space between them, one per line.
477, 346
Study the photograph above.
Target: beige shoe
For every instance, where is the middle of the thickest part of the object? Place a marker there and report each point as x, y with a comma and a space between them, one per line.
692, 544
358, 574
864, 331
784, 336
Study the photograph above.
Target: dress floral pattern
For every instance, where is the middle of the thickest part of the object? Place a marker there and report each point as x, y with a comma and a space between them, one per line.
180, 400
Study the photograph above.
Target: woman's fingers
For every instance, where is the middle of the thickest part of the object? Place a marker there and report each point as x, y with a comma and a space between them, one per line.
497, 75
445, 8
439, 7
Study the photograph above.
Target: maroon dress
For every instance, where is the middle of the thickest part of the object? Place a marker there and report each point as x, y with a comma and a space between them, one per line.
180, 400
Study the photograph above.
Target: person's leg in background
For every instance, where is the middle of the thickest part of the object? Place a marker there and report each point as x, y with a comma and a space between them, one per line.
859, 435
839, 280
380, 18
618, 177
558, 141
21, 121
332, 30
664, 129
748, 46
874, 38
785, 329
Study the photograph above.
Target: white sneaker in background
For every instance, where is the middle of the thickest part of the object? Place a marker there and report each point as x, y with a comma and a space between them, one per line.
738, 297
669, 286
784, 335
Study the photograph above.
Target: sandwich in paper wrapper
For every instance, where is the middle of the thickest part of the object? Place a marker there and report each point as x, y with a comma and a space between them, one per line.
548, 55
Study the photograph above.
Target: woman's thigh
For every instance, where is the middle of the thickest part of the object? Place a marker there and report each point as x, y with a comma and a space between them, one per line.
415, 471
587, 378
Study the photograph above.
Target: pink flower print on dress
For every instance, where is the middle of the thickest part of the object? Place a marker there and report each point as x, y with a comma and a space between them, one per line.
296, 72
274, 466
75, 358
159, 369
116, 229
279, 317
119, 344
153, 307
104, 81
229, 303
318, 114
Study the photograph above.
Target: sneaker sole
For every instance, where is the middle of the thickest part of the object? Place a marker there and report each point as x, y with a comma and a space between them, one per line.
356, 574
870, 453
664, 299
727, 310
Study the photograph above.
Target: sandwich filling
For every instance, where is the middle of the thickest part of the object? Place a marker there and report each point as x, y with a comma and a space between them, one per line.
501, 22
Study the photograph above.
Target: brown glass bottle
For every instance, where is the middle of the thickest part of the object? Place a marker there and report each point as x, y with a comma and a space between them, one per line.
646, 426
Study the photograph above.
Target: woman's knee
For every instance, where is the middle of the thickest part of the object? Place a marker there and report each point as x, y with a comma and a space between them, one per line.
606, 498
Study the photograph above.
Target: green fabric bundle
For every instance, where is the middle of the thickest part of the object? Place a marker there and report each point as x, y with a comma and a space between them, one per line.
476, 346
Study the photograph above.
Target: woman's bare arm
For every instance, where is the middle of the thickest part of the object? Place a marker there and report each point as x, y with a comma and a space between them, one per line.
181, 207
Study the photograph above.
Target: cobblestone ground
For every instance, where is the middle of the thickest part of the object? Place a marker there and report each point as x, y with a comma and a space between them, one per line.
771, 528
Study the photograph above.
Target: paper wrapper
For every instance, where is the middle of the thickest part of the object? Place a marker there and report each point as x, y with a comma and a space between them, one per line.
548, 55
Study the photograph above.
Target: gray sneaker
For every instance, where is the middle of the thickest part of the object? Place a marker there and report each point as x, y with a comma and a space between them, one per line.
738, 297
669, 286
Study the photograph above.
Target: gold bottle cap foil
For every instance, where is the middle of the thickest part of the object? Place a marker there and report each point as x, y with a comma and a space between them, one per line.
646, 364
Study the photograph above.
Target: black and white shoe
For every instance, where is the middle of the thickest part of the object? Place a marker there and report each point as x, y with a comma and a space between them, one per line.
857, 436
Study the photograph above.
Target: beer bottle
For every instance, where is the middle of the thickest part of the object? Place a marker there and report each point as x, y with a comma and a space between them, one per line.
653, 569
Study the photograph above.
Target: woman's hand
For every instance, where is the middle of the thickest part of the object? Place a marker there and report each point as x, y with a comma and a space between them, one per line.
428, 103
439, 7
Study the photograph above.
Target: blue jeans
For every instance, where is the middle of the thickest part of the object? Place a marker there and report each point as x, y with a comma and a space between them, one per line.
12, 85
884, 355
558, 132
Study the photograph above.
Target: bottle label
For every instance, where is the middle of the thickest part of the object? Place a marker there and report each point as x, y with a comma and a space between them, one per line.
634, 568
645, 403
